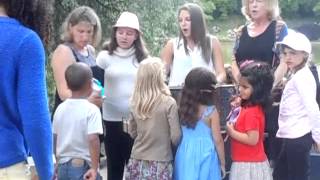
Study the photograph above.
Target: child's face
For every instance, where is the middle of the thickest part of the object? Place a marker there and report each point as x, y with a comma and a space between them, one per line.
245, 89
292, 57
125, 37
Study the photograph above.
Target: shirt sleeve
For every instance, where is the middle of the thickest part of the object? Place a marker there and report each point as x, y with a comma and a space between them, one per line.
306, 87
102, 59
252, 119
33, 104
283, 32
173, 119
94, 121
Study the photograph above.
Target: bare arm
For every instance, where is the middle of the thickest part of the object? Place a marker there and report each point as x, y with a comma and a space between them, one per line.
235, 70
218, 60
94, 148
215, 128
62, 57
250, 137
167, 55
280, 73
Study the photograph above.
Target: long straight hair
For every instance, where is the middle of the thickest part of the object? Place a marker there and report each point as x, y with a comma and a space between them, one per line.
149, 87
198, 30
141, 51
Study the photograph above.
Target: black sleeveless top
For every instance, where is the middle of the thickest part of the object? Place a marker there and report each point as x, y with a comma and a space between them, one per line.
257, 48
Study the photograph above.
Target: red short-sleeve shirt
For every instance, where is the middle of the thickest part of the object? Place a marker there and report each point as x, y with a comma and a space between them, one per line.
250, 118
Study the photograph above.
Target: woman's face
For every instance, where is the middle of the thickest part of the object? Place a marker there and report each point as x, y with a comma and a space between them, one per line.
185, 23
258, 9
125, 37
82, 34
245, 88
293, 58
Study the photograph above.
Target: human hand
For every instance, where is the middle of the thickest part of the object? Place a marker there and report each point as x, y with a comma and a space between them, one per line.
235, 101
91, 174
96, 99
223, 171
229, 127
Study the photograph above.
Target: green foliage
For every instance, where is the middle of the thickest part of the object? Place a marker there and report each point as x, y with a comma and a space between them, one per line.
298, 8
158, 19
316, 9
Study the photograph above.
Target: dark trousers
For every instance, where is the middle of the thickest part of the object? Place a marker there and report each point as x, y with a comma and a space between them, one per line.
272, 144
118, 146
293, 162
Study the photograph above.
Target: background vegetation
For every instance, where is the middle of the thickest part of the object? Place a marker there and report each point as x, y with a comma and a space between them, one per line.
158, 19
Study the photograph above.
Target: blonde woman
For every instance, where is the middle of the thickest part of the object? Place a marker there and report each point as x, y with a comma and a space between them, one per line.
255, 41
154, 124
81, 32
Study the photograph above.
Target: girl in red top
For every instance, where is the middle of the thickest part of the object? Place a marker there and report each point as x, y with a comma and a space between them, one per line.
247, 151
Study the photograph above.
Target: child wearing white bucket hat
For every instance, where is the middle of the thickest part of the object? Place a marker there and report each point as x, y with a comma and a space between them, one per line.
120, 59
299, 115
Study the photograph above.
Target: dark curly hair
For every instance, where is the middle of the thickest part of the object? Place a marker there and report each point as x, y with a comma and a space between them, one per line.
260, 77
198, 89
34, 14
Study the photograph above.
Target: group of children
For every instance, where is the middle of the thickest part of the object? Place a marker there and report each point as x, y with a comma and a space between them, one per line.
154, 123
184, 142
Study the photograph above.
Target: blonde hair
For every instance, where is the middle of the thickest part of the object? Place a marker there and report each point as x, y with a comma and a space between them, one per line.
149, 87
82, 14
272, 8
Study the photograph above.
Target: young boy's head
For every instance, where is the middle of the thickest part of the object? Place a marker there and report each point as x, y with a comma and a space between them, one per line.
79, 79
295, 50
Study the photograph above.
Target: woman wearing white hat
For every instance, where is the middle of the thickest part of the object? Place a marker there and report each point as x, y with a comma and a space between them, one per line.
120, 60
299, 115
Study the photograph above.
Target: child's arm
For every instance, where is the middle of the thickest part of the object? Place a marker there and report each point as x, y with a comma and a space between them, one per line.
215, 129
132, 126
175, 129
250, 137
94, 148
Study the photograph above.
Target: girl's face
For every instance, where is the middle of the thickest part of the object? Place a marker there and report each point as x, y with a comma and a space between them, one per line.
185, 23
125, 37
258, 9
82, 34
245, 88
292, 57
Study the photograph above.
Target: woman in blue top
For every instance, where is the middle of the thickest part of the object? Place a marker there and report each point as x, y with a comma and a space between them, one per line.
25, 124
200, 155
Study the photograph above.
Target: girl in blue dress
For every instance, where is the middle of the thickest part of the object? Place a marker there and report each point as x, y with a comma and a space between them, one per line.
200, 155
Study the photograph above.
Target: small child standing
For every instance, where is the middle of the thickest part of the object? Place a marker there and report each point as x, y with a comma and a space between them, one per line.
247, 132
153, 123
76, 126
299, 115
200, 155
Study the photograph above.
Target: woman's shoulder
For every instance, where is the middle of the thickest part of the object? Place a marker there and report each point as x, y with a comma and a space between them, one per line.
63, 48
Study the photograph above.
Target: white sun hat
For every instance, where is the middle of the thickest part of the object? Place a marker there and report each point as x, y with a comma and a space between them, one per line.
296, 41
128, 19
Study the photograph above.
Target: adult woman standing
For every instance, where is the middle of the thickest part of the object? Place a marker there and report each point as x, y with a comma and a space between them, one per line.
120, 61
80, 30
25, 125
193, 48
256, 40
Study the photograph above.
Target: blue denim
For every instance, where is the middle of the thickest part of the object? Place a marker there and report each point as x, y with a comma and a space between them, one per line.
69, 171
